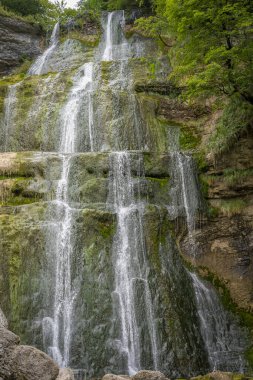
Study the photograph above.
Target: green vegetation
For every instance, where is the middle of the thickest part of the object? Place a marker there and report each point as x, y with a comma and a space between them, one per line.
236, 176
98, 5
42, 12
210, 47
231, 207
237, 116
24, 7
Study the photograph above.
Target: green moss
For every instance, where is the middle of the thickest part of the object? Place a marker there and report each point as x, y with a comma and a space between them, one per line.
187, 139
249, 356
204, 185
24, 67
88, 40
19, 201
13, 175
163, 182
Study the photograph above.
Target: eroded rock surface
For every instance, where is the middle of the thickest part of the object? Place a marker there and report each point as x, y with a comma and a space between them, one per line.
18, 39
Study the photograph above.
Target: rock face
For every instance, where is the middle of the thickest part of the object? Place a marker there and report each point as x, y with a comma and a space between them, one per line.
224, 241
18, 40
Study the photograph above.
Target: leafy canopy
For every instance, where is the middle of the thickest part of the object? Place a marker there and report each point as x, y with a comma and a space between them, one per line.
24, 7
212, 53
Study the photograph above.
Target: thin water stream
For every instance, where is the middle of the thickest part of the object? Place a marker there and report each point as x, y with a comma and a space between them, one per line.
40, 65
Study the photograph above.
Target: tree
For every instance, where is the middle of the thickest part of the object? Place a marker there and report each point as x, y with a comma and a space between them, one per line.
213, 52
24, 7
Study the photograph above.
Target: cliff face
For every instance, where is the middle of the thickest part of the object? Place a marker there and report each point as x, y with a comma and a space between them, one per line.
217, 243
225, 240
18, 41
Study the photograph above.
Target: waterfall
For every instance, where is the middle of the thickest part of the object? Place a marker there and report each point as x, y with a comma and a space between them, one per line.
40, 65
60, 325
144, 311
185, 193
130, 264
9, 112
116, 46
221, 336
107, 56
81, 91
64, 294
57, 329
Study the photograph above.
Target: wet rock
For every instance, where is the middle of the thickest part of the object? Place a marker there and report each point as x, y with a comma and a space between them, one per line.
149, 375
17, 39
28, 363
65, 374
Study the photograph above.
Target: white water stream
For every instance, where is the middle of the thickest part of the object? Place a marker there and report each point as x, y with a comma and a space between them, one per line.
60, 325
130, 263
220, 335
40, 65
9, 112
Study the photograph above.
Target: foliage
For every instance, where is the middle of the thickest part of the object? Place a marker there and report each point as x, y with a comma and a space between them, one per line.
236, 176
24, 7
97, 5
214, 46
212, 52
236, 117
230, 207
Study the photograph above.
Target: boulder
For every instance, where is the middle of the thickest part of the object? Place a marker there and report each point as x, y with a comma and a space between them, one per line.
65, 374
110, 376
28, 363
8, 341
149, 375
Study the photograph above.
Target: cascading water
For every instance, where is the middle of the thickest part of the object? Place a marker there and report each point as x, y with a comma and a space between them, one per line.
70, 114
107, 56
9, 112
130, 264
40, 65
221, 336
61, 323
184, 191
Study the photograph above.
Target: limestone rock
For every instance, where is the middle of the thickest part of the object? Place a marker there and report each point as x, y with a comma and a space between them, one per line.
17, 39
65, 374
8, 340
28, 363
110, 376
149, 375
